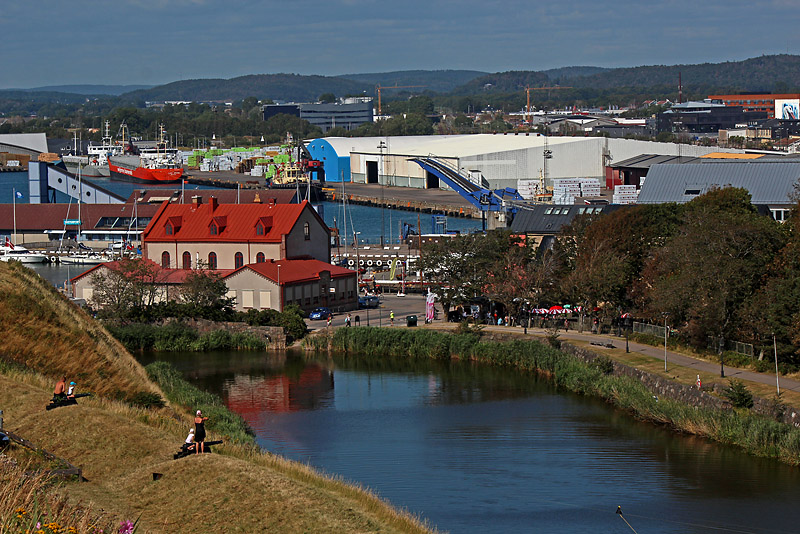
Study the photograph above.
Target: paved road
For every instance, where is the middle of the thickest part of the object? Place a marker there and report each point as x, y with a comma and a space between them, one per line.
415, 304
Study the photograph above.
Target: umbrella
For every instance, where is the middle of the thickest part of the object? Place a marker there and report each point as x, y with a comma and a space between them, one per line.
625, 316
555, 309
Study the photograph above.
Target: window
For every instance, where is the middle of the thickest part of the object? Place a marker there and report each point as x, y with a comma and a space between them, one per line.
259, 229
260, 258
165, 259
780, 215
168, 229
238, 260
306, 231
212, 260
187, 260
692, 192
212, 229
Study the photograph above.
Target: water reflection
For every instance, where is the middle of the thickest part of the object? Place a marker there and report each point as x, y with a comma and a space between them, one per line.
478, 449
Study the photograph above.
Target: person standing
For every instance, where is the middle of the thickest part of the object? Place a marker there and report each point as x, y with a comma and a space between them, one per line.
391, 317
200, 431
347, 320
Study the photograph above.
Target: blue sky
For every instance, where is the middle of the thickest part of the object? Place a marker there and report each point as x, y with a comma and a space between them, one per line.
159, 41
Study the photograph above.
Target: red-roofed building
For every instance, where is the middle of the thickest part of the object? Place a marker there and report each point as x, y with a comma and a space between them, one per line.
229, 236
306, 282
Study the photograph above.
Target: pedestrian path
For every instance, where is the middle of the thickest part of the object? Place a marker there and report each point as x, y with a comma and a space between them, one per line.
673, 358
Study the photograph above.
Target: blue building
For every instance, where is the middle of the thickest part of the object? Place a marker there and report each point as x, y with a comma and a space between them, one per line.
337, 167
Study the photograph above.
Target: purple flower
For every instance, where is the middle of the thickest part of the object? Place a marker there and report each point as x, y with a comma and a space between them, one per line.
126, 527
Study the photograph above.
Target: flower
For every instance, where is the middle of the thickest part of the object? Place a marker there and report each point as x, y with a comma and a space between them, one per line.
126, 527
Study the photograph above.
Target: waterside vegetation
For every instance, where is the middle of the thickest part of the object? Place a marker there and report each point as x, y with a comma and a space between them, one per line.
755, 434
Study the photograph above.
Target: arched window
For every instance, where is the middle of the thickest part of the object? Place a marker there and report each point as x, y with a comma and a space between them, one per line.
212, 260
168, 229
187, 260
260, 258
306, 231
165, 259
238, 260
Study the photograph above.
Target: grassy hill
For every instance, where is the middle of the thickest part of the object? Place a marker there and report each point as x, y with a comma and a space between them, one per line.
120, 446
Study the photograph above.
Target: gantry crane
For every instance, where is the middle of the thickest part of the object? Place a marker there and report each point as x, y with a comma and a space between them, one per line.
379, 88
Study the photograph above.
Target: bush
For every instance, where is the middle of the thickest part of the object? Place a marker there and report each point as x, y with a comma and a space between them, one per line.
146, 399
738, 394
603, 364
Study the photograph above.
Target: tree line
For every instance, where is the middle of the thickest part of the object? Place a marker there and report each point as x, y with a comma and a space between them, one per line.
715, 268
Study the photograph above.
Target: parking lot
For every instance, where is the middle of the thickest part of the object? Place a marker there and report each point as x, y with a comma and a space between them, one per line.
411, 304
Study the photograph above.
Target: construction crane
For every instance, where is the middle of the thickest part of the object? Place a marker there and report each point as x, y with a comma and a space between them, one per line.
379, 88
528, 92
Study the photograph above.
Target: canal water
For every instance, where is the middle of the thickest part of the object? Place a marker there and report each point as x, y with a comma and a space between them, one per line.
476, 449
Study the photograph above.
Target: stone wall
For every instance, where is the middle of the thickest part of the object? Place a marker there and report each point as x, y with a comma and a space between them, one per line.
273, 335
662, 387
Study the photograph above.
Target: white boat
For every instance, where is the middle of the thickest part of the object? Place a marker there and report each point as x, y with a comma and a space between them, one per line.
85, 259
94, 164
21, 254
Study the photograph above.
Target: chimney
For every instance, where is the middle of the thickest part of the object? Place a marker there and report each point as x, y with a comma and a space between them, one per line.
212, 201
271, 201
197, 200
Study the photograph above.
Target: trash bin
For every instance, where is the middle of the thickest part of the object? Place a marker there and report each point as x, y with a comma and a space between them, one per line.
411, 320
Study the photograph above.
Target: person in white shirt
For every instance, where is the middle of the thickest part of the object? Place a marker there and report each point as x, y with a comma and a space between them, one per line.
189, 444
71, 391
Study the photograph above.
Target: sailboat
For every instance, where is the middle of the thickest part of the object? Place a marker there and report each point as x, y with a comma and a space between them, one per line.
9, 251
87, 256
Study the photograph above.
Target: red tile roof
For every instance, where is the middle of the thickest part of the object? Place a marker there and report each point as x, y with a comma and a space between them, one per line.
236, 222
295, 271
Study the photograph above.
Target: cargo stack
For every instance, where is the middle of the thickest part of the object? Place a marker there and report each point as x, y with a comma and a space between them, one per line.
625, 194
590, 187
565, 190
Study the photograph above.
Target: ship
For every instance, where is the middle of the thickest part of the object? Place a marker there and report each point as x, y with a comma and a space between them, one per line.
156, 165
95, 164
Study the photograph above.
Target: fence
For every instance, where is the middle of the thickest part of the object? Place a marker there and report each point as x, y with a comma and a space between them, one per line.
652, 329
734, 346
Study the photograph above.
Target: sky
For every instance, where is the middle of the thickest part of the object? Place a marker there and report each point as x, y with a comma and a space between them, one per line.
151, 42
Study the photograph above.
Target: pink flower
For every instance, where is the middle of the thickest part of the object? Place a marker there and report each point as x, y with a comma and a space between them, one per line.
126, 527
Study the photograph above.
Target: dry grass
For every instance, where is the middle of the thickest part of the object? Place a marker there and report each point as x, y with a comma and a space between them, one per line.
42, 330
119, 447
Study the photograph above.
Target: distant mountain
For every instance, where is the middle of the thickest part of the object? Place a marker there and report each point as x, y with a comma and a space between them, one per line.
565, 73
288, 87
26, 95
779, 73
438, 81
114, 90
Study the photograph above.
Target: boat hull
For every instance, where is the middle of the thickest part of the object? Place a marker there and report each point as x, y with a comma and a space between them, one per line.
133, 173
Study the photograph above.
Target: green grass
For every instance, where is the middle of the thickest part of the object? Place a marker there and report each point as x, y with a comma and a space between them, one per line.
181, 392
177, 336
755, 434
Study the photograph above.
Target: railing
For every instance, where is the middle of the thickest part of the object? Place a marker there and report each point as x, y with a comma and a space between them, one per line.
651, 329
734, 346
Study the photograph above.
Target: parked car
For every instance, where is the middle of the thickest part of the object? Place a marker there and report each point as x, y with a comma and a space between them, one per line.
368, 302
319, 314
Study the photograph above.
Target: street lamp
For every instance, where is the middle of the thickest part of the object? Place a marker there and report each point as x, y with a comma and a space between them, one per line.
280, 290
665, 314
381, 147
358, 263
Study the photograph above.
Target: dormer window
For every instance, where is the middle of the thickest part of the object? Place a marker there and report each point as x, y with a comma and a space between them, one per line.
168, 229
263, 225
259, 229
212, 229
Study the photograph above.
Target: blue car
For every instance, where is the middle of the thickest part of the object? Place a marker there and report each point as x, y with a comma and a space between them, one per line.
319, 314
368, 302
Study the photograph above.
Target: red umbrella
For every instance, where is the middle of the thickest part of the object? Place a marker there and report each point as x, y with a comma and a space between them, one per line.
625, 316
556, 309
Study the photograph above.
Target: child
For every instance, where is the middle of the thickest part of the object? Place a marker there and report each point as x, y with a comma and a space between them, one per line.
71, 391
189, 444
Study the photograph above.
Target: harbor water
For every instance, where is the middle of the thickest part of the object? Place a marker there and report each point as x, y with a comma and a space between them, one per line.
475, 449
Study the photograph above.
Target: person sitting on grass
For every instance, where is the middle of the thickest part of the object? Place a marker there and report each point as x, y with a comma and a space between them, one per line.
59, 391
200, 431
71, 391
189, 444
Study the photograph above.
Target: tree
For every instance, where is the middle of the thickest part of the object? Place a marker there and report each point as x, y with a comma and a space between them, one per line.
132, 283
327, 98
713, 264
205, 289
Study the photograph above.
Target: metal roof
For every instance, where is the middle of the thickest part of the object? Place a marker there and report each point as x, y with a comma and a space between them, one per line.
646, 160
548, 219
768, 182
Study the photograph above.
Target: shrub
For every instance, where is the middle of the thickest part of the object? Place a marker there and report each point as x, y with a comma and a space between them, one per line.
738, 394
603, 364
145, 399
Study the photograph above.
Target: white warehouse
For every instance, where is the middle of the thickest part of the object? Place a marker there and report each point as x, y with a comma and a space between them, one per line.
502, 159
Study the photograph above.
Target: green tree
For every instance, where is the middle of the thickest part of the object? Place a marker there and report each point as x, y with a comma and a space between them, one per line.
205, 289
327, 98
133, 283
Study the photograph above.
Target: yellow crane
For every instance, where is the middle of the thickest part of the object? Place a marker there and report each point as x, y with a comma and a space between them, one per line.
379, 89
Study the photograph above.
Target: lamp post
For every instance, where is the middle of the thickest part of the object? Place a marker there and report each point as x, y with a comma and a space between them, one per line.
358, 263
280, 290
775, 348
381, 147
665, 314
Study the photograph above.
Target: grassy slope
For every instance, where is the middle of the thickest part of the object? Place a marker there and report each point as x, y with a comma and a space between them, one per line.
119, 447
